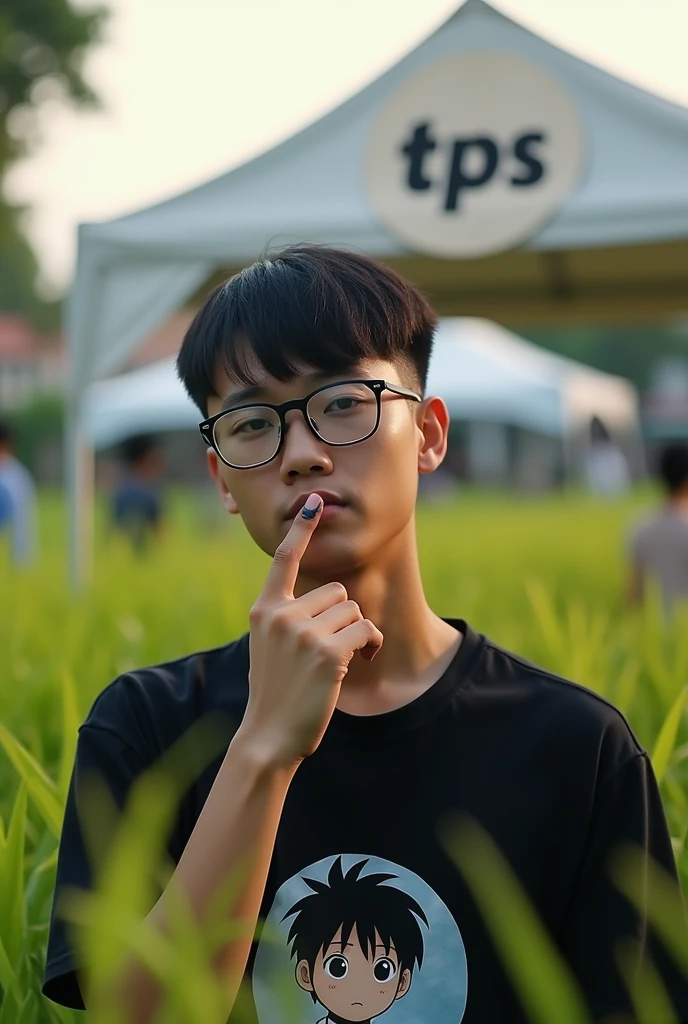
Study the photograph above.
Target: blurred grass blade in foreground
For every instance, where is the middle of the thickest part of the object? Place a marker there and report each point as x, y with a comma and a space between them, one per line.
41, 788
646, 989
660, 900
667, 739
131, 868
540, 977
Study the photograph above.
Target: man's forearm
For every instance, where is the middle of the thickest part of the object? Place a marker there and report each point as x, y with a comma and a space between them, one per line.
235, 834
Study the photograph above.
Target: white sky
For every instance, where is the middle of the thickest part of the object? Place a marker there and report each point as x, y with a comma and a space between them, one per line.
194, 87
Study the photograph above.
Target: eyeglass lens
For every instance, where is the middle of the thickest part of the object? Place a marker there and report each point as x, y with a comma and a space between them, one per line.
340, 414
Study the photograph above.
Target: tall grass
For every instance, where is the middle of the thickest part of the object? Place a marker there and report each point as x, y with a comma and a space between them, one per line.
544, 577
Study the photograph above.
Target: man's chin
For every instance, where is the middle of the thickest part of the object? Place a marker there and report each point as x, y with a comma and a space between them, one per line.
331, 559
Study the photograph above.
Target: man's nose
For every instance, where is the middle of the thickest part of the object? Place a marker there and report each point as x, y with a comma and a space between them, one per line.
302, 451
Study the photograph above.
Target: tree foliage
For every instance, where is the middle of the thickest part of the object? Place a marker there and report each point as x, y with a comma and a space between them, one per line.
43, 44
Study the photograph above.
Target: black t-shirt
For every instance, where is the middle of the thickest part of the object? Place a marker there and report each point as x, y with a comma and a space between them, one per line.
549, 769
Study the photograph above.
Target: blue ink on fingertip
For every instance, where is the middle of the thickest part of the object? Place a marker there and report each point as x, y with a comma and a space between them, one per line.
311, 513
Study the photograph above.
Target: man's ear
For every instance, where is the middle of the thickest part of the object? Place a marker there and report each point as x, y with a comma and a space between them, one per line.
215, 470
303, 976
433, 424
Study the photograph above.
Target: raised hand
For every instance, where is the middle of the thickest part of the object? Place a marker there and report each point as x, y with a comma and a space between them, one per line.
300, 651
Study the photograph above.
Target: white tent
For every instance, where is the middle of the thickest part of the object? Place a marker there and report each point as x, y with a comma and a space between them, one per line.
608, 232
147, 400
482, 371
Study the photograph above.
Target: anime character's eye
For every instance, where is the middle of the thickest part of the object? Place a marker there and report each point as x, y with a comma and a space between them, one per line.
384, 970
337, 966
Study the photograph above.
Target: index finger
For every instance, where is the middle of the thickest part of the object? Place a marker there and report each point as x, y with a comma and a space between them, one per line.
281, 577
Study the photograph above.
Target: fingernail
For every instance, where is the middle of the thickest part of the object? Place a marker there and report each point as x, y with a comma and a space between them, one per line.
312, 506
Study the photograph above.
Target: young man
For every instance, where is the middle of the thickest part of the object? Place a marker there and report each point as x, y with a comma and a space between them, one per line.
659, 545
361, 724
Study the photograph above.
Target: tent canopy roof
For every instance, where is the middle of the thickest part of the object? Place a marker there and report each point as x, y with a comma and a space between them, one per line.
482, 371
311, 184
134, 271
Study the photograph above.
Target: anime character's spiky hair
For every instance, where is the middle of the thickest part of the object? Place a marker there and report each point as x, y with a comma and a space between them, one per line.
362, 902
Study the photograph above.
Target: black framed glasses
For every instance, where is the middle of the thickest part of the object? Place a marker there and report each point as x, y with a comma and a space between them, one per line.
340, 414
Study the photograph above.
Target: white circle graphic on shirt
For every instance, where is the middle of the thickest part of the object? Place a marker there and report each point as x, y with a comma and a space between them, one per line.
395, 957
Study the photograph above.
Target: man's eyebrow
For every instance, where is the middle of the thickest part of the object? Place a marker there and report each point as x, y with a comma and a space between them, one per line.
248, 394
241, 396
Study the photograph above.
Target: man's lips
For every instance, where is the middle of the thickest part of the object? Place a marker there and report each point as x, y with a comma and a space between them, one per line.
328, 497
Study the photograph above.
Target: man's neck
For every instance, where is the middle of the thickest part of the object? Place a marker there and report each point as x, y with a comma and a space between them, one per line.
418, 644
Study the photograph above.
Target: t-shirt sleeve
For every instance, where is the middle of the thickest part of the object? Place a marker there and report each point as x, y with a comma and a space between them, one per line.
104, 753
628, 809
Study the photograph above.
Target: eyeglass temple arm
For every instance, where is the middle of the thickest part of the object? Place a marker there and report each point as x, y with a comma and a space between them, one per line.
399, 390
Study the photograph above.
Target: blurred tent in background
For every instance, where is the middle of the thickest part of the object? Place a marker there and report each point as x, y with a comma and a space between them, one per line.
148, 400
493, 381
522, 415
587, 173
485, 372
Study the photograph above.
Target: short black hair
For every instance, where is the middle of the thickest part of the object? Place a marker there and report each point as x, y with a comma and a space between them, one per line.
673, 467
325, 307
135, 448
348, 901
6, 432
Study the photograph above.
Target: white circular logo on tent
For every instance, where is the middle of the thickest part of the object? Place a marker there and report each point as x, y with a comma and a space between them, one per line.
473, 154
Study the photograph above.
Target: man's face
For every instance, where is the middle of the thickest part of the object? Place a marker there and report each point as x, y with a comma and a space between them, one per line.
350, 984
377, 478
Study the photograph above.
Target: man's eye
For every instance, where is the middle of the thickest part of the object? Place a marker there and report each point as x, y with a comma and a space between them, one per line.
251, 426
384, 970
348, 406
336, 966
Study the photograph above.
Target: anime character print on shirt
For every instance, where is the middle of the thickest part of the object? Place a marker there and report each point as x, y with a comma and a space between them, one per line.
355, 940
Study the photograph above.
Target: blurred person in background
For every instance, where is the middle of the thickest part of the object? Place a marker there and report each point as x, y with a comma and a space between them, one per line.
137, 501
5, 508
659, 544
606, 466
17, 500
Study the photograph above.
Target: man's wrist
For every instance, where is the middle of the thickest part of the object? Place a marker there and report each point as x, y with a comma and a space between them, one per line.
260, 756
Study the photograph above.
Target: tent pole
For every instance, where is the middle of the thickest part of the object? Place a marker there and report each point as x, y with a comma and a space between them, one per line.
567, 443
80, 476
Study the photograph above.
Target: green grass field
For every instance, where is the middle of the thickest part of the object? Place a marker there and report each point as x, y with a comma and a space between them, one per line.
544, 577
